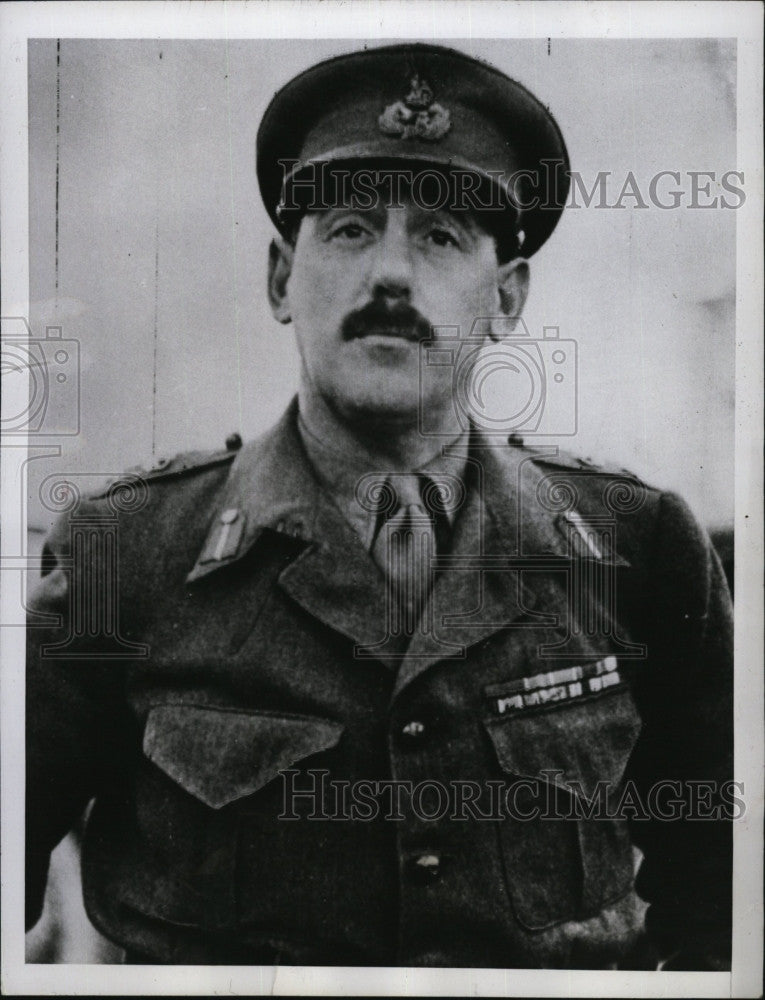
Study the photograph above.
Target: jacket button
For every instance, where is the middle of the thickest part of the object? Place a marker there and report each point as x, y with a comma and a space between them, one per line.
413, 731
424, 868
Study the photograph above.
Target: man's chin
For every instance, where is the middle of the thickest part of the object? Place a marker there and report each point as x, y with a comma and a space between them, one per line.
368, 397
382, 410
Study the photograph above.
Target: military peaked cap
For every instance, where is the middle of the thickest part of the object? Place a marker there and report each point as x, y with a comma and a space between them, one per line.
424, 106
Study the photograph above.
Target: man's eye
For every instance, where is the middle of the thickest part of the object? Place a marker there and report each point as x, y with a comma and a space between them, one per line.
443, 237
348, 231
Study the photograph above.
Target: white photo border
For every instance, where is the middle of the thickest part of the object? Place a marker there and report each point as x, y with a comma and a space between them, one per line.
403, 19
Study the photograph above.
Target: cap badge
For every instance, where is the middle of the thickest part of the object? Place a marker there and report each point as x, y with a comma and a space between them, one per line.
417, 116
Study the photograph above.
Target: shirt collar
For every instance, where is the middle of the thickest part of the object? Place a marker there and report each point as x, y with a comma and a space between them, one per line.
340, 473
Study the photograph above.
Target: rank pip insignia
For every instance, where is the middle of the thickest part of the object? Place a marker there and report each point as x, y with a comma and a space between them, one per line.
417, 116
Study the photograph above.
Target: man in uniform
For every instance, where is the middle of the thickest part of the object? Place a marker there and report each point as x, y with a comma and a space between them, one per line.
383, 687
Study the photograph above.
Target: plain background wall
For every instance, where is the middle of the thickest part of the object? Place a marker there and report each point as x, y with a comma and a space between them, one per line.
149, 245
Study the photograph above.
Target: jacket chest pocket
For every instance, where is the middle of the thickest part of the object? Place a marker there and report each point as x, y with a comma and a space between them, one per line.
566, 855
222, 755
201, 764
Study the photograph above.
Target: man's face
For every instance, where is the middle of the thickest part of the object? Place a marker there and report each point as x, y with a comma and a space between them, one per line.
364, 287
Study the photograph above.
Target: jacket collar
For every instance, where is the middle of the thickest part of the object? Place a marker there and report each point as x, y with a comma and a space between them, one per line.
271, 488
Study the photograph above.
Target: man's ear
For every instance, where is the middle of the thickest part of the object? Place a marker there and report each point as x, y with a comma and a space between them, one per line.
280, 255
513, 288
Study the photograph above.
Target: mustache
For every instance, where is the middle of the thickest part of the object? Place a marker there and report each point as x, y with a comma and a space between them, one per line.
376, 318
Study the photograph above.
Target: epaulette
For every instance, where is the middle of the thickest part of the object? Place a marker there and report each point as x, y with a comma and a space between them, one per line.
558, 459
183, 464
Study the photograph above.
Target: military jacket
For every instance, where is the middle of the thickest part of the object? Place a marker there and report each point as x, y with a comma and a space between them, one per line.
210, 664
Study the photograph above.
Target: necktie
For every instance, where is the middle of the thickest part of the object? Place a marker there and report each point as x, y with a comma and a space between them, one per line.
403, 548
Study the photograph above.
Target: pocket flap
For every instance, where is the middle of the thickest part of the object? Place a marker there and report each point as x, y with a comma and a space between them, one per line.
220, 754
585, 743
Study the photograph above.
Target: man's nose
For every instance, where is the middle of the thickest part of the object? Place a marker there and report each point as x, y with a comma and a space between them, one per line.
391, 271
